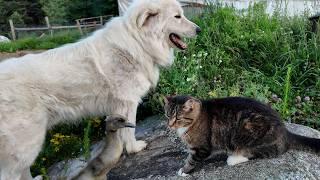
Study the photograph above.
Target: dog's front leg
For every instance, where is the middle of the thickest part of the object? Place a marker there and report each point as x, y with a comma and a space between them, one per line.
129, 110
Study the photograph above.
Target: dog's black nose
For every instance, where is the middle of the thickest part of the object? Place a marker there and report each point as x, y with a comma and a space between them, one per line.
198, 30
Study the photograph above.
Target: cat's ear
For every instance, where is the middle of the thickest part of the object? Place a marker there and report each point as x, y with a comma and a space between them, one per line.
190, 105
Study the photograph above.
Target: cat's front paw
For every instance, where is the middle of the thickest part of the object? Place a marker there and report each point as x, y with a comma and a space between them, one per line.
136, 146
233, 160
181, 173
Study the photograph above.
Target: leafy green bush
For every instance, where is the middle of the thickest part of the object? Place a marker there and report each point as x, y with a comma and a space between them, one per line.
250, 54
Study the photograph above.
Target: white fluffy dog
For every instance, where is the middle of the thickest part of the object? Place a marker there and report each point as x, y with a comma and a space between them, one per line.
106, 73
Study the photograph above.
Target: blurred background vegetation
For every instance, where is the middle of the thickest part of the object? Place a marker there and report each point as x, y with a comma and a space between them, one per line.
32, 12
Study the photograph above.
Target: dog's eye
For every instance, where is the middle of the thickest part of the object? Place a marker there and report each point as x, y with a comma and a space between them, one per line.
177, 16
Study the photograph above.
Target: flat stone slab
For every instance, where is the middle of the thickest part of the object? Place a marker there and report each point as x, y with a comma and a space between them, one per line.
165, 155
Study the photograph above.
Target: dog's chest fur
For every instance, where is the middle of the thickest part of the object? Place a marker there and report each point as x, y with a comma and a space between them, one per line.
123, 79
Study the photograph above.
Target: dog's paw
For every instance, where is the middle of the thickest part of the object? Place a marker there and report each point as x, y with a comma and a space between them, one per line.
38, 178
181, 173
233, 160
136, 147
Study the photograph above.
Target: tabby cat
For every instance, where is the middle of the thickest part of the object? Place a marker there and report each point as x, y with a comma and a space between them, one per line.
244, 128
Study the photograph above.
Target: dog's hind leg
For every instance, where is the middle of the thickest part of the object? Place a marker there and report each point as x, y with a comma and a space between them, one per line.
21, 144
13, 173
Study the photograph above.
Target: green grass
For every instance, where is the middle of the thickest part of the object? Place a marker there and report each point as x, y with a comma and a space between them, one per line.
86, 140
237, 54
287, 90
33, 43
250, 54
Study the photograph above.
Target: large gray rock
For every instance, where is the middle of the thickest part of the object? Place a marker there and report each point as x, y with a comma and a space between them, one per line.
165, 155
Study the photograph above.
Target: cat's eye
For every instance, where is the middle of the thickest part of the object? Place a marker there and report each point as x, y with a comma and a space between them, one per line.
177, 16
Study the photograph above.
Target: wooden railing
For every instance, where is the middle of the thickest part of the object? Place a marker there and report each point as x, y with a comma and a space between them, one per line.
91, 22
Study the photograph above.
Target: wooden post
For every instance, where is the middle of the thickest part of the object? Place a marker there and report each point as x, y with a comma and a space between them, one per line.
12, 30
79, 26
101, 20
49, 26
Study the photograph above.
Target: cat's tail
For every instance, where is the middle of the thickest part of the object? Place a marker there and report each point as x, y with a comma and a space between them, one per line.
302, 142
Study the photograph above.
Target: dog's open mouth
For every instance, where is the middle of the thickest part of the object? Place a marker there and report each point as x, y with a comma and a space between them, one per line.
176, 40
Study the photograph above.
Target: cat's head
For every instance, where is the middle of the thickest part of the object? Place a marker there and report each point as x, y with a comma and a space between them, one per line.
181, 111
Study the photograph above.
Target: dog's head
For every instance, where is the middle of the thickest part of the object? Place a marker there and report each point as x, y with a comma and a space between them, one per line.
160, 25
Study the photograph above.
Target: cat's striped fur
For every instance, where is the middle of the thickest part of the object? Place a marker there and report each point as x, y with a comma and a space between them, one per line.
243, 127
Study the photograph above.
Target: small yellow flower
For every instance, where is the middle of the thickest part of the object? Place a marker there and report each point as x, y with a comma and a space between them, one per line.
96, 122
213, 94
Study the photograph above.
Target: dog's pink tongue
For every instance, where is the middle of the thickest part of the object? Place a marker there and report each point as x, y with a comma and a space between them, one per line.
179, 42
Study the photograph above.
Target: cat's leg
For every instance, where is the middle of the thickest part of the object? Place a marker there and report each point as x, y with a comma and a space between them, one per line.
267, 151
128, 109
238, 156
196, 156
236, 159
258, 152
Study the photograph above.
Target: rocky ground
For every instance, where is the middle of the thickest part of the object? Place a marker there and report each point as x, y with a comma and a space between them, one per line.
165, 154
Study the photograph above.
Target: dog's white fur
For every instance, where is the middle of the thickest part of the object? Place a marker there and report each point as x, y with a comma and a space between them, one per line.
106, 73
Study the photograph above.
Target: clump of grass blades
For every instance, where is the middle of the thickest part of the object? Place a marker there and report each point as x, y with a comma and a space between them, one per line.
248, 54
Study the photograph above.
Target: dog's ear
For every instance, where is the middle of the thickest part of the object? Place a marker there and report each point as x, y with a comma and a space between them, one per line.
145, 16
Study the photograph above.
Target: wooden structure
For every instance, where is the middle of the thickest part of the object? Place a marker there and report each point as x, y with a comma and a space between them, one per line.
92, 22
315, 20
192, 7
